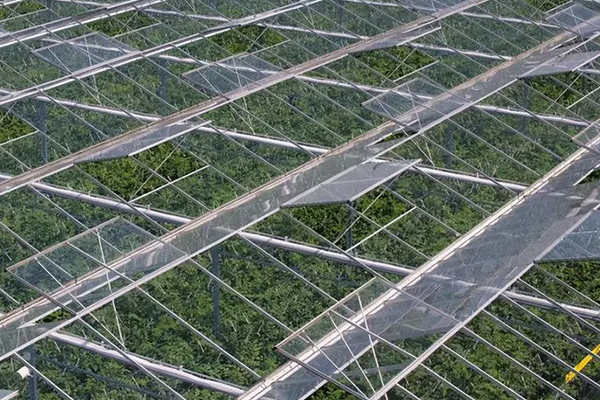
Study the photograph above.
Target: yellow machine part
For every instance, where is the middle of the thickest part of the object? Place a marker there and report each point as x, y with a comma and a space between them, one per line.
571, 375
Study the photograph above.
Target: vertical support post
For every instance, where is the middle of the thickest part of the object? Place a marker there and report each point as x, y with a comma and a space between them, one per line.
42, 115
215, 269
351, 216
341, 5
526, 122
449, 131
33, 392
163, 76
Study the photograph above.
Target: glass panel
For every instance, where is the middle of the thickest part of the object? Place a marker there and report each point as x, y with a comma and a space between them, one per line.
83, 52
231, 74
452, 102
576, 18
67, 261
428, 6
347, 342
404, 98
142, 142
11, 339
564, 63
399, 38
352, 184
581, 243
588, 137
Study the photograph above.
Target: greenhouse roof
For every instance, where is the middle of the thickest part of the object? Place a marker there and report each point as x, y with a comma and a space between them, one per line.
284, 199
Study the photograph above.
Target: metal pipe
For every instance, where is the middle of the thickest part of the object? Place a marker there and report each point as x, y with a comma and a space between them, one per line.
469, 53
162, 369
543, 303
439, 173
324, 254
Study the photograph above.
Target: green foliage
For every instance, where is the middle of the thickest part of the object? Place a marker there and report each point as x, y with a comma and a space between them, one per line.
594, 176
22, 7
12, 127
387, 62
121, 23
247, 39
